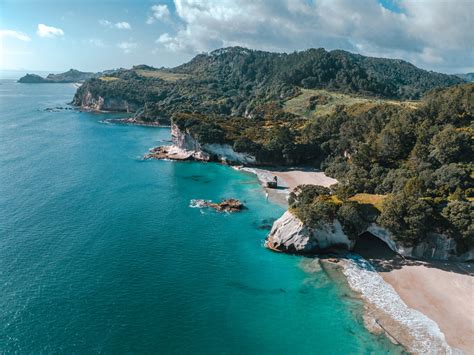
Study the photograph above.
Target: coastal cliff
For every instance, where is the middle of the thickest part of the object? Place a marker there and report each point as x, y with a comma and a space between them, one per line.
186, 147
86, 100
290, 235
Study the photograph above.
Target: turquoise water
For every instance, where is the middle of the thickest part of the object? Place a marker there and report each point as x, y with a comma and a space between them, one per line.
100, 251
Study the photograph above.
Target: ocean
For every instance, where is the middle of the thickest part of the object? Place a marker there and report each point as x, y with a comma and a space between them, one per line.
100, 251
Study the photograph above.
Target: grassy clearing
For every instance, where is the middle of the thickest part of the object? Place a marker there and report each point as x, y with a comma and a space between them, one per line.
108, 78
167, 76
325, 102
369, 199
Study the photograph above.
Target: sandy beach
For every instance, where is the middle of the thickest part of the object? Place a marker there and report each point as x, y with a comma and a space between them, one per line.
442, 291
293, 178
288, 179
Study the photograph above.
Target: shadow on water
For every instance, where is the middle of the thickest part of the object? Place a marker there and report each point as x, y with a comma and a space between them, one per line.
264, 224
197, 178
255, 290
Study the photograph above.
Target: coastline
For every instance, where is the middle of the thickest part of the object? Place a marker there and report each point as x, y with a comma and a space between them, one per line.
387, 305
134, 122
385, 311
413, 305
288, 179
443, 292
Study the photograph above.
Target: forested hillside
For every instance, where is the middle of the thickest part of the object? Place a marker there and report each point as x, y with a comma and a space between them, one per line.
237, 81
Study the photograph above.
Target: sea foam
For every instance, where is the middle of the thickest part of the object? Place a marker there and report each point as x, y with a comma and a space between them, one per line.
363, 278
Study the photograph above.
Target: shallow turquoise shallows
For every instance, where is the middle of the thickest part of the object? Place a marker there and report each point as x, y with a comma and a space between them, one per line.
100, 251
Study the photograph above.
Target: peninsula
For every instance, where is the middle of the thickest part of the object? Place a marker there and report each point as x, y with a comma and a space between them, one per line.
71, 76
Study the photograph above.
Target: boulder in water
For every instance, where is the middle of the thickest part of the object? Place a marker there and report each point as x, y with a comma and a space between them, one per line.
228, 205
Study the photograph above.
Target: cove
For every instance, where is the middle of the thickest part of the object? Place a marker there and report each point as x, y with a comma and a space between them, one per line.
100, 251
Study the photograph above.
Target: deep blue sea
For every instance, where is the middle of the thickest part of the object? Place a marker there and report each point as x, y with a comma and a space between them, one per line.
101, 253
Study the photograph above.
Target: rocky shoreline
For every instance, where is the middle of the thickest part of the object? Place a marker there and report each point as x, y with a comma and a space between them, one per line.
135, 122
227, 205
172, 152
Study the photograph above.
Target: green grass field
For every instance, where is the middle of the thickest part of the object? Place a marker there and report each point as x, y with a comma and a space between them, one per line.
327, 101
108, 78
167, 76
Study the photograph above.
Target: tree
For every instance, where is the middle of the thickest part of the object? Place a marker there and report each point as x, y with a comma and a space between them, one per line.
452, 145
303, 195
449, 177
460, 217
245, 145
408, 218
352, 220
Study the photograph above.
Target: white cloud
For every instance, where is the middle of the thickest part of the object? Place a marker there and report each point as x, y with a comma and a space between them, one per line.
14, 34
106, 23
96, 42
158, 12
436, 34
123, 26
119, 25
127, 47
171, 43
49, 31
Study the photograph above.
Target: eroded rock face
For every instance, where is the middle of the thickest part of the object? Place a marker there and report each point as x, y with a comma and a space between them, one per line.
290, 235
435, 246
173, 152
89, 102
221, 152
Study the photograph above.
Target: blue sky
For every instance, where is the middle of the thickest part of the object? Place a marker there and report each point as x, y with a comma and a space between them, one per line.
96, 35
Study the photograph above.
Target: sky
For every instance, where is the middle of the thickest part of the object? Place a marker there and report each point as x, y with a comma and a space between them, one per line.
55, 35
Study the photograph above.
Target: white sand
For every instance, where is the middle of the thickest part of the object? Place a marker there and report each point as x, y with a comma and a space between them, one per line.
290, 178
445, 296
296, 177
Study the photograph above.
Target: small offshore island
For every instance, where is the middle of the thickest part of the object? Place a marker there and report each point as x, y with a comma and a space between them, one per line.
71, 76
394, 145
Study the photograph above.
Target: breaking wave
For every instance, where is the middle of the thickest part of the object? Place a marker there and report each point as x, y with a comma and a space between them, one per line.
199, 203
363, 278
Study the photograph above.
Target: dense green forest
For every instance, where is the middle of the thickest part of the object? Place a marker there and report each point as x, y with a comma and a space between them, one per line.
417, 156
237, 81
